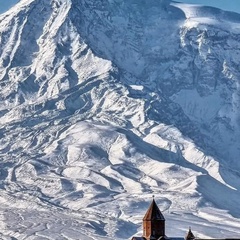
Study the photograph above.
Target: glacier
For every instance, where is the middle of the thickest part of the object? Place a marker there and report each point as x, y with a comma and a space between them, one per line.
105, 103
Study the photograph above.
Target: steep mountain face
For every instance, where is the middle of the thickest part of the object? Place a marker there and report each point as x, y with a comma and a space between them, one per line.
106, 102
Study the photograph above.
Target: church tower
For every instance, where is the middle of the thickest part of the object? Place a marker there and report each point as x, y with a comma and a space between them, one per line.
189, 235
153, 223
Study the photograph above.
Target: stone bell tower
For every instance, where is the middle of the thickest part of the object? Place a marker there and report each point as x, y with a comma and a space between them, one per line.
153, 223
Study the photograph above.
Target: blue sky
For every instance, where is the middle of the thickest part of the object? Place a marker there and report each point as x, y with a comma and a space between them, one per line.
230, 5
6, 4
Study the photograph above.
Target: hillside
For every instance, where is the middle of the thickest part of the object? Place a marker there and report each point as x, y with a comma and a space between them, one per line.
105, 103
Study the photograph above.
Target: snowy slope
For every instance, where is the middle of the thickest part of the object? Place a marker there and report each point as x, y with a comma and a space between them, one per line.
105, 103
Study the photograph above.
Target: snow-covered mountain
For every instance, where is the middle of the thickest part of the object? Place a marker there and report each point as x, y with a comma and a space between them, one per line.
105, 103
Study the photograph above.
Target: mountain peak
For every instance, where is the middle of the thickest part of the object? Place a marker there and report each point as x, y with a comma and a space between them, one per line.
104, 103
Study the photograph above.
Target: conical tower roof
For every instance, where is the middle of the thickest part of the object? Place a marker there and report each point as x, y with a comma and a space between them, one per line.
189, 235
153, 213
